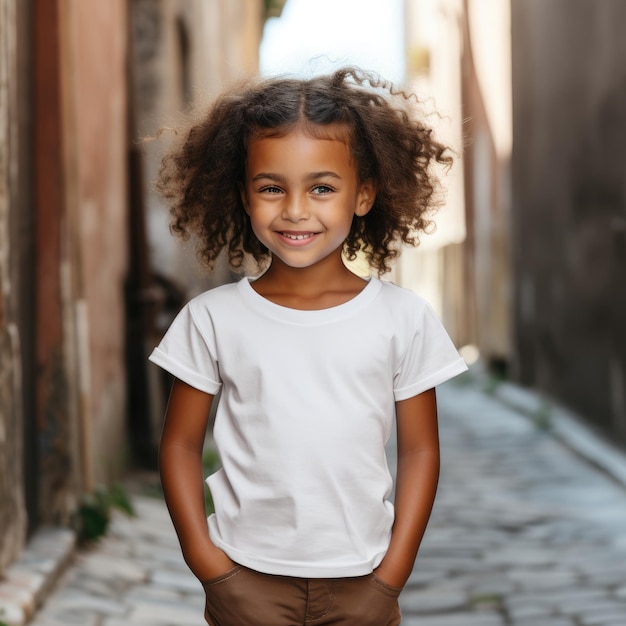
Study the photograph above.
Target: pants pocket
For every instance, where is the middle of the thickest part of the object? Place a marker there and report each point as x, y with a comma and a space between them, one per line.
383, 586
243, 597
364, 600
217, 593
382, 604
233, 571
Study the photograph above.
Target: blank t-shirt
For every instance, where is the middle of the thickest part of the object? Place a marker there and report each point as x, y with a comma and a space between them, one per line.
307, 404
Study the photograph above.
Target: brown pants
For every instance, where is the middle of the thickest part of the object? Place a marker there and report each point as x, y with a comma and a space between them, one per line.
243, 597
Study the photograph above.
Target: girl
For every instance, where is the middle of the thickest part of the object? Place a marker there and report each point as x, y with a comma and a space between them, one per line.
312, 361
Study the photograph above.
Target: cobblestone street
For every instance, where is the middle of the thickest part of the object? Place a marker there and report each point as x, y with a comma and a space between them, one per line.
525, 532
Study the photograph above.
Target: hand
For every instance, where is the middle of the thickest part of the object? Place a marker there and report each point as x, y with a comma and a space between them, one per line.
390, 577
208, 562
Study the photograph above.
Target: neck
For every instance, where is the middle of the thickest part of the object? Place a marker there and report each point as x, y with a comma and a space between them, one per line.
322, 285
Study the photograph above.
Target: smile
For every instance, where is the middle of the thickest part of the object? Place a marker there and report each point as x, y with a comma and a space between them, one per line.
298, 236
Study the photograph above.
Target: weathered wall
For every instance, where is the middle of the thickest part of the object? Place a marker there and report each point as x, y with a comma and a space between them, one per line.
12, 511
80, 131
62, 321
97, 126
569, 202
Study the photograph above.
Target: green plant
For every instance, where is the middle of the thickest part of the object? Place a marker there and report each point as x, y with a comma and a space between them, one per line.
486, 601
492, 383
94, 512
542, 417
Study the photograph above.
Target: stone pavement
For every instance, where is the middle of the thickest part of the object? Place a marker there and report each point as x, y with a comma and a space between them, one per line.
525, 532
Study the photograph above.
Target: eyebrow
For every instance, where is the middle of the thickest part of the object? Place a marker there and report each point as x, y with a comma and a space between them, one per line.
279, 178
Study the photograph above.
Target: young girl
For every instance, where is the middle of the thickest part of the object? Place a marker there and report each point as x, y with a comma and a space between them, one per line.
313, 362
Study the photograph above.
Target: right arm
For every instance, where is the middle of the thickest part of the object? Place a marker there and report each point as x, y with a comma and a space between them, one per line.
180, 466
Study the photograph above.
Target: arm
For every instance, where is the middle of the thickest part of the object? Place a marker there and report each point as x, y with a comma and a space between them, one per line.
180, 466
416, 484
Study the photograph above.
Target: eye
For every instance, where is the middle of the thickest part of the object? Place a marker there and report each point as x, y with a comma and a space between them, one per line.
272, 189
322, 190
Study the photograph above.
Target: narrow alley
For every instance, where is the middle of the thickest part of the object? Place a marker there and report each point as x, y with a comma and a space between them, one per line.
525, 269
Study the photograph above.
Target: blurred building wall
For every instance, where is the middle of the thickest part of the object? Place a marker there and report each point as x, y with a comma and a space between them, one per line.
96, 127
569, 203
487, 114
81, 210
434, 75
13, 188
63, 219
458, 60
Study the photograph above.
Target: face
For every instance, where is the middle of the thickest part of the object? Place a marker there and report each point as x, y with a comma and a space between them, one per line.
301, 194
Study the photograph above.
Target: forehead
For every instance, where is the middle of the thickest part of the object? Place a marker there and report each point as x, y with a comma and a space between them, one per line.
324, 147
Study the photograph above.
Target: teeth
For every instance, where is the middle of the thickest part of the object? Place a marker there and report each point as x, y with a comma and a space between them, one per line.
289, 236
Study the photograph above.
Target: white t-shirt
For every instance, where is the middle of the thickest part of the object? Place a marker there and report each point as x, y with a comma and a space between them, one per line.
307, 405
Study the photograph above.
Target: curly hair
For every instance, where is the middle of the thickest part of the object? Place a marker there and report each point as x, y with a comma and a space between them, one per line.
202, 175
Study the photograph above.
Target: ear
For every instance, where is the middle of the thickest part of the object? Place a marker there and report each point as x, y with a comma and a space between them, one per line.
244, 198
365, 198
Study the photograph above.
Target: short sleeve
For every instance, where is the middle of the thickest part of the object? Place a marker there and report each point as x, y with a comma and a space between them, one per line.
188, 353
430, 358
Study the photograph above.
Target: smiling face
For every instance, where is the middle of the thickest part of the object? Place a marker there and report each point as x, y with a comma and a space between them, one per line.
301, 193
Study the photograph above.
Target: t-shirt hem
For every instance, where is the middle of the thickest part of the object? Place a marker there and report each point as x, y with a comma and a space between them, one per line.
436, 378
304, 570
160, 358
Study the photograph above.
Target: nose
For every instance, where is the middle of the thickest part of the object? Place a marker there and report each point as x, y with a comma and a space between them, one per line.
295, 208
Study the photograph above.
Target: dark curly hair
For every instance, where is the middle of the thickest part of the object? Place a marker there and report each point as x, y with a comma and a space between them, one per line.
201, 176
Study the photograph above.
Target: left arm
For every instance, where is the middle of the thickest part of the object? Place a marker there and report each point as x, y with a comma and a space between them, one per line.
416, 484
